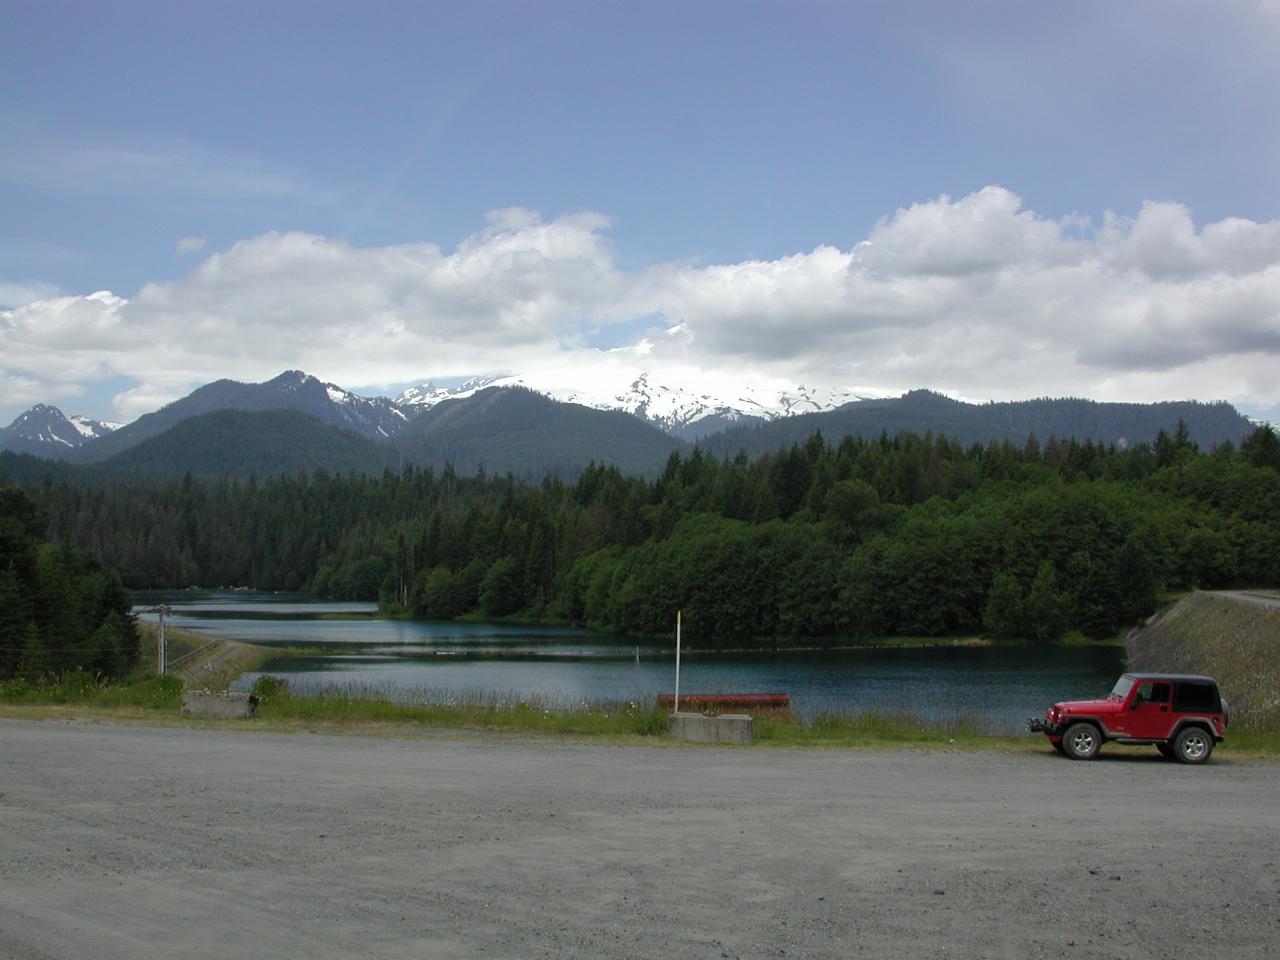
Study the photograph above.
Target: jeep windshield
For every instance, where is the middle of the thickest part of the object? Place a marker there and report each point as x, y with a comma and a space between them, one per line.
1121, 689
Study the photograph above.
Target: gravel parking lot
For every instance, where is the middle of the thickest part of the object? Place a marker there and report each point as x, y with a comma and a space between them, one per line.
139, 842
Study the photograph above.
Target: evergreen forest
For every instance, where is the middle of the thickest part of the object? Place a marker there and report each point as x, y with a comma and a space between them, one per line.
905, 535
60, 610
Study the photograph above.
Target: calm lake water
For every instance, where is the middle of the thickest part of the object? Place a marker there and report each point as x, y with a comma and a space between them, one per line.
1000, 686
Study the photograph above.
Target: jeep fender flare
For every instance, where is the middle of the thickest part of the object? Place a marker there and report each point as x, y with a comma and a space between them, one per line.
1102, 727
1205, 723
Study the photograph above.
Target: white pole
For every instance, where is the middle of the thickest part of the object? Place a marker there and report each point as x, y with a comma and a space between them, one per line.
161, 657
677, 703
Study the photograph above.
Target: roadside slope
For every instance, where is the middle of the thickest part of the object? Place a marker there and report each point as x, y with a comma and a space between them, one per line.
1234, 637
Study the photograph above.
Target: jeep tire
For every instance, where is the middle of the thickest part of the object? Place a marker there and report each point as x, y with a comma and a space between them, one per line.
1192, 745
1081, 741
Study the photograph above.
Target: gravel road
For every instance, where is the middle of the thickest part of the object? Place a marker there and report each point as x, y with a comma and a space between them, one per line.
141, 842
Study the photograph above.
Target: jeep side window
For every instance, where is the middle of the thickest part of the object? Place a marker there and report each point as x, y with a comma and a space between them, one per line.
1149, 691
1193, 697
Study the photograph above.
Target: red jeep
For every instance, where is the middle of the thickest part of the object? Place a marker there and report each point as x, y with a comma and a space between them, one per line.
1182, 715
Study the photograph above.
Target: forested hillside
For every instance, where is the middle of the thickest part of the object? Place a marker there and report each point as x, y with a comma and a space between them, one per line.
59, 609
1121, 424
292, 390
909, 535
237, 443
515, 430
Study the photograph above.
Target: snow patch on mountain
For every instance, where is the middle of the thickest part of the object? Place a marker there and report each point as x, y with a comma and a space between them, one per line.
93, 428
427, 395
674, 402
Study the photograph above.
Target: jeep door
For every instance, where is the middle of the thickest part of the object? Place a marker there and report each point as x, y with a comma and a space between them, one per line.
1148, 714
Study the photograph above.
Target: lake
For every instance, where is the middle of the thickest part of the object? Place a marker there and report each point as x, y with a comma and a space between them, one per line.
416, 660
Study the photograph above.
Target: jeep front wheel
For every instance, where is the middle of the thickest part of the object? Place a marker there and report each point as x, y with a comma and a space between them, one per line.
1192, 745
1081, 741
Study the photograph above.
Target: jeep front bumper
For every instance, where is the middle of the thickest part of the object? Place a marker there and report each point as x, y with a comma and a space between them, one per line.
1040, 725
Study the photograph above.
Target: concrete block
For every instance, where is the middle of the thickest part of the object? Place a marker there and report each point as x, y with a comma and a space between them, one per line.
736, 728
691, 726
728, 728
202, 703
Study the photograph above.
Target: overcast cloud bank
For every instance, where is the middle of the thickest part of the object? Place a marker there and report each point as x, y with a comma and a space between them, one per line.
974, 296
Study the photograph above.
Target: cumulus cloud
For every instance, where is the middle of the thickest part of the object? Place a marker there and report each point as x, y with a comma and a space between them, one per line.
517, 290
982, 297
191, 244
977, 296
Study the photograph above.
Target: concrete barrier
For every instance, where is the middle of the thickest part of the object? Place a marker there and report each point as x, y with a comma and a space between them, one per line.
726, 728
202, 703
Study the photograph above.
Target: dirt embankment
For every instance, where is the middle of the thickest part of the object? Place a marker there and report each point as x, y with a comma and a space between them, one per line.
1234, 637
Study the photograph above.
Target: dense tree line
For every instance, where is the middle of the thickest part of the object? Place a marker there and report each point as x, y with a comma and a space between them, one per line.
59, 608
903, 535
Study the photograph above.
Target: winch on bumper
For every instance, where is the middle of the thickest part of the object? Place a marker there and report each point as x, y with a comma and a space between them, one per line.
1051, 724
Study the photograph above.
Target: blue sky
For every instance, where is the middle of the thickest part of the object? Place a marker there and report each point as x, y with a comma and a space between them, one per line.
666, 148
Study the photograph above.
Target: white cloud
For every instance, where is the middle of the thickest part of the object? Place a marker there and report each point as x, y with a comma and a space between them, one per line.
975, 296
983, 298
191, 244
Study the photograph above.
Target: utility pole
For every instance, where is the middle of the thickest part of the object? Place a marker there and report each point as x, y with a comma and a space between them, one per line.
162, 611
676, 707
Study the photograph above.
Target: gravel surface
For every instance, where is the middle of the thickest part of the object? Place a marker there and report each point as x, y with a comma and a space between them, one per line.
139, 842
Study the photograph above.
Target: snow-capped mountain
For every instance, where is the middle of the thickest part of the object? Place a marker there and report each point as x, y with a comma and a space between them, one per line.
46, 431
689, 412
427, 395
375, 417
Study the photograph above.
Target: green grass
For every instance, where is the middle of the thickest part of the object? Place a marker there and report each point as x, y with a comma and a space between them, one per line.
622, 720
1251, 743
80, 688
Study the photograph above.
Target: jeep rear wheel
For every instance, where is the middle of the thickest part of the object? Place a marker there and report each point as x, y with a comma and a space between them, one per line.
1192, 745
1081, 741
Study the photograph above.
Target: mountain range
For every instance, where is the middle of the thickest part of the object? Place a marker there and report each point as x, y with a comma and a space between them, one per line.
297, 422
684, 412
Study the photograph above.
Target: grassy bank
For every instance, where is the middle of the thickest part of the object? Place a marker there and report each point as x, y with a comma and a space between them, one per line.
1236, 642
